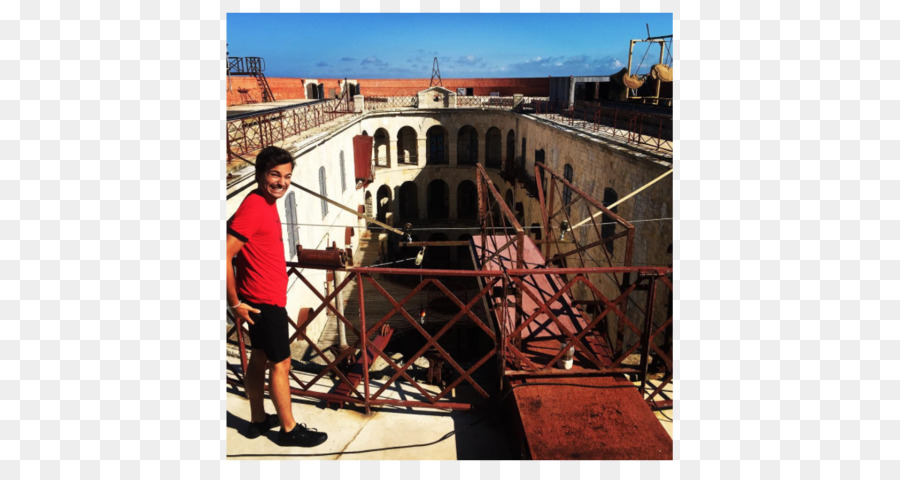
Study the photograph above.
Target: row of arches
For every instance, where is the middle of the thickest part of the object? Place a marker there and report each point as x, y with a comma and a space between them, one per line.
437, 146
437, 201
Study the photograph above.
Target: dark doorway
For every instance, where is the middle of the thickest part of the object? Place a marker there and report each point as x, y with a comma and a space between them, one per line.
409, 199
438, 199
437, 256
467, 146
466, 200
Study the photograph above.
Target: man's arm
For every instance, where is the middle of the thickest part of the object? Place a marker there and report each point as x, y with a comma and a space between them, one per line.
232, 247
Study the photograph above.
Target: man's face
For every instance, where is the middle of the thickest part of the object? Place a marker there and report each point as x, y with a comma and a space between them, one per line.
276, 182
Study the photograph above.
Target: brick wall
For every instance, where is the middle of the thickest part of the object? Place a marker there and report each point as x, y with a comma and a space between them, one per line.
282, 88
293, 88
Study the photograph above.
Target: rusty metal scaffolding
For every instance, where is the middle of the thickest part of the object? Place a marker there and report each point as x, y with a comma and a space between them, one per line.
504, 289
512, 357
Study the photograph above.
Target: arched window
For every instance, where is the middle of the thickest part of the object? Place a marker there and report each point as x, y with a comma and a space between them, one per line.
370, 206
467, 146
436, 139
510, 149
290, 213
382, 147
323, 191
568, 174
384, 202
406, 146
539, 158
343, 174
492, 145
523, 159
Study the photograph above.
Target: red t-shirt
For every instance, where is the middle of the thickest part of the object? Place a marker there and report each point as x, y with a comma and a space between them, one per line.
261, 269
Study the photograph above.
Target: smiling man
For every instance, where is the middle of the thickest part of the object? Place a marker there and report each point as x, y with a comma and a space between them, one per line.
258, 295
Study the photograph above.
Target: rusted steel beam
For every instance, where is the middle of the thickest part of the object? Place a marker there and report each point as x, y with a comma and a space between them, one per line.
504, 208
559, 372
571, 339
446, 243
589, 270
648, 325
400, 371
587, 197
363, 339
426, 272
431, 342
458, 243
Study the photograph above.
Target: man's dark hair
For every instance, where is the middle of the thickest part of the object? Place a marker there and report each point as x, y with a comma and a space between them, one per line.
272, 157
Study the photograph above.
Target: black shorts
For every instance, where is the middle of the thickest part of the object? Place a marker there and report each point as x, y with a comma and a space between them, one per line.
269, 331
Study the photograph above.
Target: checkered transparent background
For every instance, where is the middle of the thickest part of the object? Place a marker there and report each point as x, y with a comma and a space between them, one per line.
112, 213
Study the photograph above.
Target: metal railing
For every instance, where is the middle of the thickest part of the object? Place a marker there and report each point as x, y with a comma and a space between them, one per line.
649, 130
505, 103
497, 218
250, 134
388, 103
595, 354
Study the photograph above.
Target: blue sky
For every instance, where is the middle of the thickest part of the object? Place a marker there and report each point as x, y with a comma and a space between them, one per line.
467, 45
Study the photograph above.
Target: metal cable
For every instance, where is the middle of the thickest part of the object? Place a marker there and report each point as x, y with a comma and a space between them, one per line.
458, 228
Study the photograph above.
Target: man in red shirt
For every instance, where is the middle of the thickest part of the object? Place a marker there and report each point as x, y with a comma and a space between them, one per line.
258, 295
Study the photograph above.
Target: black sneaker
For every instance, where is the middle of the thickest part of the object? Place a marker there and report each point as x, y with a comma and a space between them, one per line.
301, 436
257, 429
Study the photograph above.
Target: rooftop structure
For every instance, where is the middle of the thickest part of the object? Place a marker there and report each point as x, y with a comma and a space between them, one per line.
486, 191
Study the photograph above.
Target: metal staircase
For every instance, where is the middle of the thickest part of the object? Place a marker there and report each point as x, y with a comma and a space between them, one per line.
253, 67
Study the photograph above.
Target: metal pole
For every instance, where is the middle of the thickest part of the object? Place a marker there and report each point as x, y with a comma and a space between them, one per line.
630, 52
662, 47
339, 299
645, 335
364, 348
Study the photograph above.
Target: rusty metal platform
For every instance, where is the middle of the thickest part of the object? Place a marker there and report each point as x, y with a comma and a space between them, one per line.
597, 418
577, 413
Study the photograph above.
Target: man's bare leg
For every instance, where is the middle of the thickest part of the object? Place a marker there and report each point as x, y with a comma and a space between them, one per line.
254, 379
280, 391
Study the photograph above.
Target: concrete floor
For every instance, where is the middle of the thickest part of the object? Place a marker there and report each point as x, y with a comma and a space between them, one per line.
389, 433
256, 107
